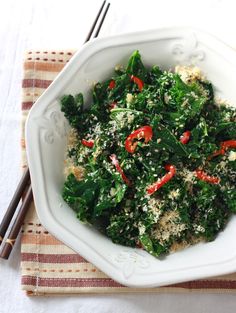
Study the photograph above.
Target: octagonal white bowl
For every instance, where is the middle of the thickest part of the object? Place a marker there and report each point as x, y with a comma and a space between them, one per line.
46, 130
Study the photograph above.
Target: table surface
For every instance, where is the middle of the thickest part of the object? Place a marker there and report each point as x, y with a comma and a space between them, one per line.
49, 24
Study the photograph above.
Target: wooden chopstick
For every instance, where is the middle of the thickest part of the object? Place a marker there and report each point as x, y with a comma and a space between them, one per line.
24, 184
95, 22
101, 22
10, 241
25, 180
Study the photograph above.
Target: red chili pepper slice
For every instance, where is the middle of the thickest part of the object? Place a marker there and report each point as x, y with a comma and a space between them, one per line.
142, 132
137, 81
216, 153
112, 84
228, 144
207, 178
113, 105
224, 146
115, 162
87, 143
185, 137
162, 181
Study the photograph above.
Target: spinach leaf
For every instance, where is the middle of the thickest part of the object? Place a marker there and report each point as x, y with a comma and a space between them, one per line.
80, 196
72, 108
135, 66
170, 142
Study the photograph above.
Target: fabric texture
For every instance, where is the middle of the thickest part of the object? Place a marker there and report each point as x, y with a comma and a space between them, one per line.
48, 266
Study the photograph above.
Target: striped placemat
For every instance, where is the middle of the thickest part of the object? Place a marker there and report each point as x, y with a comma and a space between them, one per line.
48, 266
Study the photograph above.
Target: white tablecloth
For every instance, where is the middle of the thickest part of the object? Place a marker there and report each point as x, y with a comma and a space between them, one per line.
48, 24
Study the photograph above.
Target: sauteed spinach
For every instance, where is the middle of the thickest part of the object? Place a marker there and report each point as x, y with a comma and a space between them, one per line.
153, 159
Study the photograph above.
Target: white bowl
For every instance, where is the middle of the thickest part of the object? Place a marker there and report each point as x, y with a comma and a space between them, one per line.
46, 131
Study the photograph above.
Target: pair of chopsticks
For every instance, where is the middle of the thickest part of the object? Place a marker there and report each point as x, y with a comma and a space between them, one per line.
24, 189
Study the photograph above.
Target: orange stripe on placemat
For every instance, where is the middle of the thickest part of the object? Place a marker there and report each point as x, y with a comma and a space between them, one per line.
52, 258
43, 240
43, 66
69, 282
36, 83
